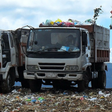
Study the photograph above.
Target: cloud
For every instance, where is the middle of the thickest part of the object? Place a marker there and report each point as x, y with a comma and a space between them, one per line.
18, 13
9, 23
32, 12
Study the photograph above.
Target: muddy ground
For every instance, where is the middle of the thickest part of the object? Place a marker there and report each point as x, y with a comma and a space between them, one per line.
50, 100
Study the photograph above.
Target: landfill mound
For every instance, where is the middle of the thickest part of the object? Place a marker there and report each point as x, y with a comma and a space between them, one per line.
50, 100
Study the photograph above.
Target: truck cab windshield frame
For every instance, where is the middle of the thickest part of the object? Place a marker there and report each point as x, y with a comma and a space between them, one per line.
54, 43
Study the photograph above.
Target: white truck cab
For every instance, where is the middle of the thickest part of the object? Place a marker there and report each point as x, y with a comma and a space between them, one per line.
62, 55
8, 60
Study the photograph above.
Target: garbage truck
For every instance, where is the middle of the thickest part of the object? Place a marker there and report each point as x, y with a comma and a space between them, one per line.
66, 56
12, 59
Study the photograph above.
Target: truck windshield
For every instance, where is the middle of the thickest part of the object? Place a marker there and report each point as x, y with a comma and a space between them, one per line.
54, 40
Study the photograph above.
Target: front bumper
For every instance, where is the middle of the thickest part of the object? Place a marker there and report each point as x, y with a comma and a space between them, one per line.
54, 75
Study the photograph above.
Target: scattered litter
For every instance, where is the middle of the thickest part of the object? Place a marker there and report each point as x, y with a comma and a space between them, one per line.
93, 99
54, 101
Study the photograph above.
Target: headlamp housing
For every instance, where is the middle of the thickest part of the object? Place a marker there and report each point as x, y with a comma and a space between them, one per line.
32, 67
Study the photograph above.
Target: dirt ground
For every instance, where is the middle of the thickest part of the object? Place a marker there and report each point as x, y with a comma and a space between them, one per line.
50, 100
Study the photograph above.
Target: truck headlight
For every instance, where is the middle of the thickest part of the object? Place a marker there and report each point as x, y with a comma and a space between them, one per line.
32, 67
72, 67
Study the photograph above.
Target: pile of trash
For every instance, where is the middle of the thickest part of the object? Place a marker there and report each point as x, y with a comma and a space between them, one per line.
69, 23
22, 100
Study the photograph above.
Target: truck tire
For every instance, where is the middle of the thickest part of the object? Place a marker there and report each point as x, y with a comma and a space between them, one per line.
99, 82
81, 86
35, 85
25, 83
94, 83
102, 79
7, 85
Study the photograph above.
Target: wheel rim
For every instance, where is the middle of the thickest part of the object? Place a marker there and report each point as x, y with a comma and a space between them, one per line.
9, 82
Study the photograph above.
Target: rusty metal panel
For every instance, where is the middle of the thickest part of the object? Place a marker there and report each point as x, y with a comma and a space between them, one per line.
103, 56
90, 28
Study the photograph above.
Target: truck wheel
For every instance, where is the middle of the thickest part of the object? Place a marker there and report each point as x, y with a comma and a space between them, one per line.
102, 79
94, 83
35, 85
7, 85
99, 82
25, 83
81, 86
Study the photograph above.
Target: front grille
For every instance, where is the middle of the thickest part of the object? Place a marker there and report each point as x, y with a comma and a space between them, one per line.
51, 66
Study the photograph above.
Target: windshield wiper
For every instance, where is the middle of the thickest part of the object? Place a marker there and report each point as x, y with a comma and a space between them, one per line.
35, 51
50, 49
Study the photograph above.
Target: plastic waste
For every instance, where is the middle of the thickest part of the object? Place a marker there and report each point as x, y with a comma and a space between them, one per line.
47, 23
101, 93
58, 21
25, 101
66, 24
28, 99
33, 100
69, 24
111, 11
85, 96
62, 24
88, 21
102, 97
82, 98
76, 22
40, 99
93, 99
64, 48
65, 93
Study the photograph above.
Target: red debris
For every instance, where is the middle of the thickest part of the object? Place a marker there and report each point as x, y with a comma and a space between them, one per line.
111, 11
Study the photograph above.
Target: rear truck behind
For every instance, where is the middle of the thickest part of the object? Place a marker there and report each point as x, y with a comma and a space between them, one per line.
12, 61
62, 56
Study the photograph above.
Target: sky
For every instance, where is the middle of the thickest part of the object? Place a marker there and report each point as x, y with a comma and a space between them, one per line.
17, 13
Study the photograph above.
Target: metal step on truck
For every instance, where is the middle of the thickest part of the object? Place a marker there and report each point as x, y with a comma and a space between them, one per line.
12, 59
62, 56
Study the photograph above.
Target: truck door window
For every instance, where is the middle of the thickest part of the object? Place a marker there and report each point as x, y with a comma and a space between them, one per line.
84, 42
5, 49
5, 41
84, 38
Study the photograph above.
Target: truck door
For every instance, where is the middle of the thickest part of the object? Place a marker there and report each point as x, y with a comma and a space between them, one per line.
6, 57
12, 50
